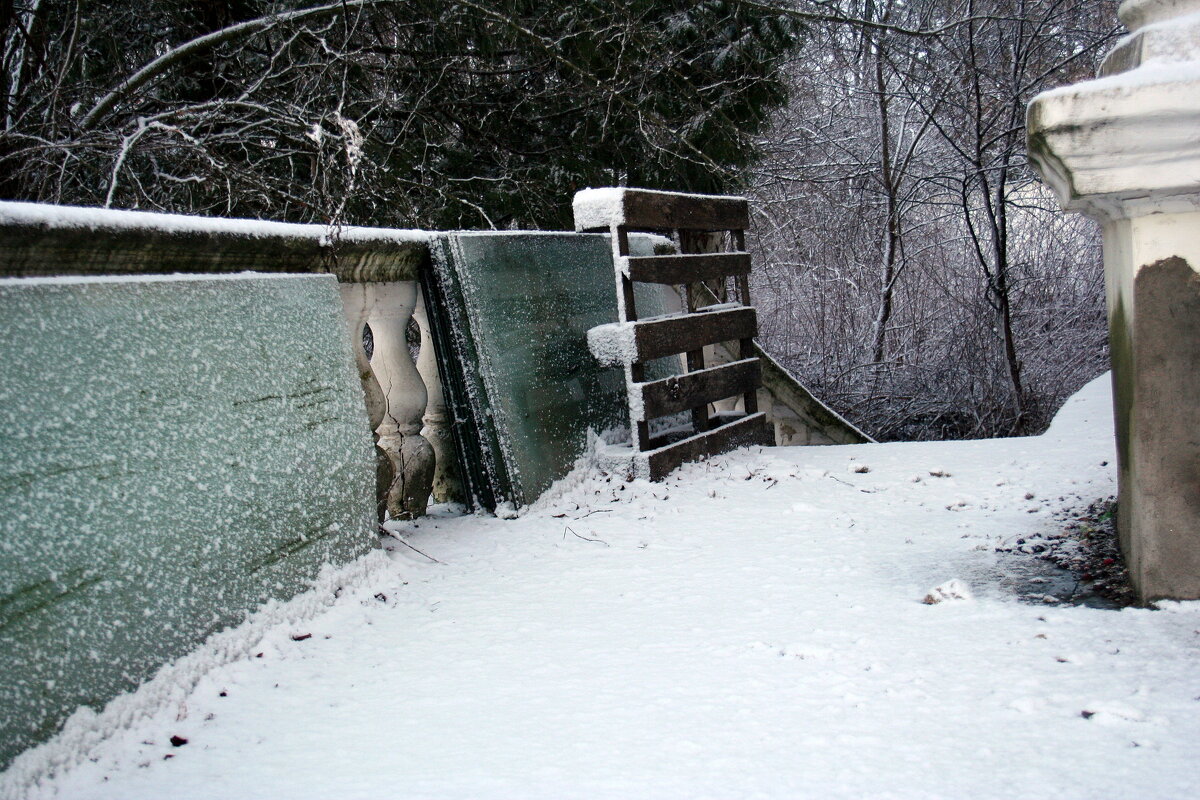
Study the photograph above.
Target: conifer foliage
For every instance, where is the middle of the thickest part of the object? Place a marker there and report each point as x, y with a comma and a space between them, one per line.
415, 113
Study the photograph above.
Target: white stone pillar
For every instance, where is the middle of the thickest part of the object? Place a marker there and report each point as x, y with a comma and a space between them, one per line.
1125, 149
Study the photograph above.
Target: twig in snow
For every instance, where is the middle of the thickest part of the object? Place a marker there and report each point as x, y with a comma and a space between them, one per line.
851, 485
586, 539
409, 546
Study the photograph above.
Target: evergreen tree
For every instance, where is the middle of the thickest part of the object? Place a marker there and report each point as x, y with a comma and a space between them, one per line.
430, 113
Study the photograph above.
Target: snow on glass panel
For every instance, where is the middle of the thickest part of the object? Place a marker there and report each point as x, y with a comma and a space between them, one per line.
173, 453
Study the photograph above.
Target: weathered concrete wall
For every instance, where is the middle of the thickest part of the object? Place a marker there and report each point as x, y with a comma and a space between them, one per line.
1164, 440
1154, 317
173, 452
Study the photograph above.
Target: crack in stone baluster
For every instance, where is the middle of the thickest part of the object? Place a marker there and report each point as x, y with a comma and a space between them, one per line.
387, 308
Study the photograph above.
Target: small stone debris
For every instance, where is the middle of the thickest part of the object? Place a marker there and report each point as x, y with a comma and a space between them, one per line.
1087, 714
950, 590
860, 469
300, 637
178, 741
939, 473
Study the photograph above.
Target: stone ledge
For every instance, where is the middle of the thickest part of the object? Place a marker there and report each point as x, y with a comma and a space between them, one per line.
38, 240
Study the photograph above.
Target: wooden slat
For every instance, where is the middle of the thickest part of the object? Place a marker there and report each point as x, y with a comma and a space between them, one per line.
748, 430
681, 392
687, 268
656, 338
669, 211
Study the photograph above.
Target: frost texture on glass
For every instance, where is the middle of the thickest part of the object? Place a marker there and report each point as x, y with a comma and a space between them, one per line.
511, 312
173, 453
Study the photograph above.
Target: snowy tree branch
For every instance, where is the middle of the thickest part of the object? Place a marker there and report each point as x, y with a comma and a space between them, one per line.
177, 55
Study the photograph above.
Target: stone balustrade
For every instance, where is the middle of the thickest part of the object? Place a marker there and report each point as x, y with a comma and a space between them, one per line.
189, 403
377, 270
185, 435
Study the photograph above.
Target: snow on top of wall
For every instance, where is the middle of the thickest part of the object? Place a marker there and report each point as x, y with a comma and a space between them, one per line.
509, 233
175, 277
111, 220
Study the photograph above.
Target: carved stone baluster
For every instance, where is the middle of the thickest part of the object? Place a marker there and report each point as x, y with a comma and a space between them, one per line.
354, 304
447, 488
387, 308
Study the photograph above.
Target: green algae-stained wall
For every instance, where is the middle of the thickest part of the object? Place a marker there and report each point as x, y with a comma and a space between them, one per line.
173, 453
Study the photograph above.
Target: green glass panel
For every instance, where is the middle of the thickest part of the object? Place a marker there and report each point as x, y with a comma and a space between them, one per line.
511, 315
172, 453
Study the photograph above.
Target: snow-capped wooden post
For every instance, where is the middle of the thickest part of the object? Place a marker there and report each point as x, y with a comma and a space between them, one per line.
391, 375
1125, 149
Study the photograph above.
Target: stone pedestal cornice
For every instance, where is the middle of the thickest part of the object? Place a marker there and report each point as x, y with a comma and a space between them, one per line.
1128, 143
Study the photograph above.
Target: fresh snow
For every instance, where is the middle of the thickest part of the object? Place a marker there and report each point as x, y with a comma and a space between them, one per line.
755, 626
604, 207
613, 343
1151, 73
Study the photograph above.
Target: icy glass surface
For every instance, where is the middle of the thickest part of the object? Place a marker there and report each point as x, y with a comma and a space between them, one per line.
172, 454
515, 309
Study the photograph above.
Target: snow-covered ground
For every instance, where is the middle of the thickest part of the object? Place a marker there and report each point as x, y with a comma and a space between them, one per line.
753, 627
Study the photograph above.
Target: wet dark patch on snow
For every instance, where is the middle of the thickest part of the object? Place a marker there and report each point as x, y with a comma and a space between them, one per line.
1077, 563
1033, 579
